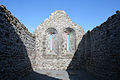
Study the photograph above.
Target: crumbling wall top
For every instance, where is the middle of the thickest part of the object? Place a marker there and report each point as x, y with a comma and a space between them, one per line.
13, 20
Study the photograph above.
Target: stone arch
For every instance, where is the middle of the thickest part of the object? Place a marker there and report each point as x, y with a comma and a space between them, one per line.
55, 43
51, 31
72, 40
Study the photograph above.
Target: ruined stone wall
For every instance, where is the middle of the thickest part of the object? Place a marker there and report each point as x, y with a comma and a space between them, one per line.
99, 50
16, 44
59, 26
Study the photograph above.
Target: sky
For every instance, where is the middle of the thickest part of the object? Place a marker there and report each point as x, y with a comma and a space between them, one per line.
86, 13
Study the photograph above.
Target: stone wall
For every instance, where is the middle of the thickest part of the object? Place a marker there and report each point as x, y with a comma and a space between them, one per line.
16, 44
59, 26
99, 50
20, 51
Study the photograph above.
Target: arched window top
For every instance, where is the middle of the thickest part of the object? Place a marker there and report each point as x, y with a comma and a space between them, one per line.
69, 30
51, 31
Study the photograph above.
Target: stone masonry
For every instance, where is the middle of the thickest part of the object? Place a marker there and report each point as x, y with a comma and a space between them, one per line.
21, 52
59, 26
99, 50
16, 44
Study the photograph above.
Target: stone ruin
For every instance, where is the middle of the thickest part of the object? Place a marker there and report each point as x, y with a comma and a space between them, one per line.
59, 26
21, 52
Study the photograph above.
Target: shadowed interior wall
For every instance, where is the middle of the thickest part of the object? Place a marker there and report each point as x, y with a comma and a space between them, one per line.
99, 50
16, 44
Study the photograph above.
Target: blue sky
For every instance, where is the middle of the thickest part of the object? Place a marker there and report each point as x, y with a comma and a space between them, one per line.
86, 13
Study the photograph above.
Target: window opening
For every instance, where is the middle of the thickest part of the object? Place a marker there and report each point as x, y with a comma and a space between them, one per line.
50, 41
67, 42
